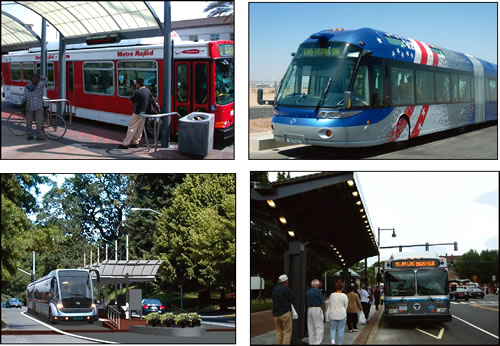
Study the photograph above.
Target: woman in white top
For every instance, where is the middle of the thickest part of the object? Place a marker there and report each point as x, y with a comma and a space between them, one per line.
337, 313
365, 301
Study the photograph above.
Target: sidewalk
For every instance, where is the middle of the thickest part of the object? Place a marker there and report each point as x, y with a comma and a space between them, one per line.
260, 320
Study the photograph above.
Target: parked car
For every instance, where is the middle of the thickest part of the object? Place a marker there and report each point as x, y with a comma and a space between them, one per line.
460, 293
476, 293
14, 303
152, 305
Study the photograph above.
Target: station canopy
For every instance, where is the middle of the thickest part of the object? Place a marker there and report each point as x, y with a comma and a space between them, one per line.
325, 211
79, 20
115, 272
16, 35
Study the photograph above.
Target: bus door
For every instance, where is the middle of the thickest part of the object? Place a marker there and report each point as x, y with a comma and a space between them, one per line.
200, 87
191, 87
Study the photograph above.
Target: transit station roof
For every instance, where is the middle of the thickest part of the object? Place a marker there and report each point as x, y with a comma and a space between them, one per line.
78, 20
16, 35
325, 211
115, 272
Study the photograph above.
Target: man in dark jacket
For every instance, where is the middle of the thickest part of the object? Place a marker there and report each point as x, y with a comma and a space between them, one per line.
282, 311
141, 99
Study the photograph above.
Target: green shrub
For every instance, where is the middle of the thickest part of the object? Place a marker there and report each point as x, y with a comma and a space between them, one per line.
153, 319
167, 319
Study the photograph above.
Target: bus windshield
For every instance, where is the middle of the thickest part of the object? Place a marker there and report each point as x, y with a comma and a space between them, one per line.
431, 282
317, 68
75, 285
224, 81
400, 283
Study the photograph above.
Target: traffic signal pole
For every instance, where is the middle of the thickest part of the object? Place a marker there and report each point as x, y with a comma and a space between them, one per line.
455, 246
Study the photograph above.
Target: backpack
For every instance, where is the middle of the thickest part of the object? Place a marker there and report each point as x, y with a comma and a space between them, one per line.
153, 106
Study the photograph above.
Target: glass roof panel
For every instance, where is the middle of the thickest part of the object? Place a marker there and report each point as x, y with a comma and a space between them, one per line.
80, 18
15, 33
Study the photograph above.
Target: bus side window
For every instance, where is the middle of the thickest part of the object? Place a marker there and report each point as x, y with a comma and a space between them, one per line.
493, 90
454, 88
402, 86
360, 89
377, 90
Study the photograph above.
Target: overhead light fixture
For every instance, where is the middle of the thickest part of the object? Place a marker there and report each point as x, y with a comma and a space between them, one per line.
283, 220
355, 193
271, 203
350, 182
361, 210
291, 233
358, 203
336, 251
366, 221
363, 216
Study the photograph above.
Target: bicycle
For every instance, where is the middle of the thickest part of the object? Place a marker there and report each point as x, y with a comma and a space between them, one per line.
53, 126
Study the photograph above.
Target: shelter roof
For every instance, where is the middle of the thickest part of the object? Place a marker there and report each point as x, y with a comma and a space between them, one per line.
16, 35
78, 20
116, 271
325, 211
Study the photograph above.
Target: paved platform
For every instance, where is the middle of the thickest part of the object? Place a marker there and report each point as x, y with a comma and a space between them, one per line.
262, 329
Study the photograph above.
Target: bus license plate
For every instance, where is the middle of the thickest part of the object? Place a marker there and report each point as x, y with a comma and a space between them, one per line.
77, 318
295, 139
403, 308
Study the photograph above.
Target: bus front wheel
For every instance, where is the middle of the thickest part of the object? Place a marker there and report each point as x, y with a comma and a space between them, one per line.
403, 129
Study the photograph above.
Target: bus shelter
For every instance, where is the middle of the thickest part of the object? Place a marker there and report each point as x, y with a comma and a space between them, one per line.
119, 272
324, 212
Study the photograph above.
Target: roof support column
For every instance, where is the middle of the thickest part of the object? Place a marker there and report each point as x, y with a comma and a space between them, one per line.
167, 75
43, 58
295, 268
62, 73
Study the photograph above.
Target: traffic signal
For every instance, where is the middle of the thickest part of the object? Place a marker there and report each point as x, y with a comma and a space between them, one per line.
455, 246
426, 246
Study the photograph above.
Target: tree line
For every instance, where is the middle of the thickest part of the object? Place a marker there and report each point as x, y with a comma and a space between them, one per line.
194, 232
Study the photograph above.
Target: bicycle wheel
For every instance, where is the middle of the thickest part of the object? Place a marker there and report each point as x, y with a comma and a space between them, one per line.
16, 123
54, 126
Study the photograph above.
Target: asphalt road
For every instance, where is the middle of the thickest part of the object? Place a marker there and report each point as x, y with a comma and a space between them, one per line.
473, 322
18, 320
477, 142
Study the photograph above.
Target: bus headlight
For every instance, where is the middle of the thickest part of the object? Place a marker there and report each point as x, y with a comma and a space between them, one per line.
93, 306
60, 306
328, 115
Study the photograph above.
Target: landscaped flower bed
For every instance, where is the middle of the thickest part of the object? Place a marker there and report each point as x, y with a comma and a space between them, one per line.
170, 320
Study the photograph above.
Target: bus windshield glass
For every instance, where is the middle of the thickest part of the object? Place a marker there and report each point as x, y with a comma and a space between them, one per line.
400, 283
316, 69
430, 282
75, 285
224, 81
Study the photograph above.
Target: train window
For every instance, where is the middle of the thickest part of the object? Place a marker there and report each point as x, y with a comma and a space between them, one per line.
182, 83
424, 82
15, 71
50, 75
201, 77
464, 88
443, 87
492, 89
454, 88
402, 86
130, 71
98, 78
28, 68
377, 91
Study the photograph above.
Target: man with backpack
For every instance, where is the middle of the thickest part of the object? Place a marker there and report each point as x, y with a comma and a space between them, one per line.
141, 98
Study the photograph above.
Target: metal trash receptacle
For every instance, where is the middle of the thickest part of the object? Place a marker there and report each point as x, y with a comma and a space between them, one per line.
196, 133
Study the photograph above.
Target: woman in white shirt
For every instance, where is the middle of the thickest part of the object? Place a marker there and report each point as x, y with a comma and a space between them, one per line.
337, 313
365, 301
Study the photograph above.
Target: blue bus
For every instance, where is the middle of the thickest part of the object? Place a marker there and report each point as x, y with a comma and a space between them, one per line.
416, 288
63, 295
365, 87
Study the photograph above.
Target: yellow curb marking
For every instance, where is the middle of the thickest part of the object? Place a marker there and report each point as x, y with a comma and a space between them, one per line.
439, 336
484, 307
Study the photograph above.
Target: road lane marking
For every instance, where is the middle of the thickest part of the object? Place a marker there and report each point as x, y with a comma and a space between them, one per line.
484, 331
66, 333
484, 307
439, 336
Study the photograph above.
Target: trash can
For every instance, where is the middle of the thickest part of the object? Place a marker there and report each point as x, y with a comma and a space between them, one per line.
196, 133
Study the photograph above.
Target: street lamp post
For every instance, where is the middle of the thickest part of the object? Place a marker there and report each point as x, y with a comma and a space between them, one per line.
393, 235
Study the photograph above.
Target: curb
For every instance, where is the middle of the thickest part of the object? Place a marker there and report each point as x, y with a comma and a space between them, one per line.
367, 334
265, 140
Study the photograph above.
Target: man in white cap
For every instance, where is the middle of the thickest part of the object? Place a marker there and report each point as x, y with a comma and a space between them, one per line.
282, 311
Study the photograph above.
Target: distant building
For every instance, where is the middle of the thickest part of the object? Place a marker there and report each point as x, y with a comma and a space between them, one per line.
206, 29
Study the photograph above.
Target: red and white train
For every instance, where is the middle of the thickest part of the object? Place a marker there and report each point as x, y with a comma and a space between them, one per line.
100, 80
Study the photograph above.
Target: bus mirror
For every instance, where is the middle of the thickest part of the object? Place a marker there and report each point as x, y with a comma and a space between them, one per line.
292, 53
260, 101
347, 99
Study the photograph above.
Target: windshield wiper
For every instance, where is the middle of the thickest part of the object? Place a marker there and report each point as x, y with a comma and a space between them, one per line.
324, 94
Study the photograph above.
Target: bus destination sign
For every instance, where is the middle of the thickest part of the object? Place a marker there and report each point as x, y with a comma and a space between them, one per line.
415, 263
318, 52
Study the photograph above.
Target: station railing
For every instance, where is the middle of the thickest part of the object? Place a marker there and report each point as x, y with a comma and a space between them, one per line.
156, 125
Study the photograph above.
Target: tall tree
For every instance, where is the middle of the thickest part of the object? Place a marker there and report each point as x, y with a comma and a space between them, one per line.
219, 8
196, 235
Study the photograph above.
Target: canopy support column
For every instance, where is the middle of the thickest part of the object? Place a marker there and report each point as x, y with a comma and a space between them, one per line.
295, 268
167, 75
43, 58
62, 74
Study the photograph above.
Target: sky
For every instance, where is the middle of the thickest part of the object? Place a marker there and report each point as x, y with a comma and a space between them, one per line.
180, 10
434, 207
468, 28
